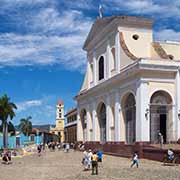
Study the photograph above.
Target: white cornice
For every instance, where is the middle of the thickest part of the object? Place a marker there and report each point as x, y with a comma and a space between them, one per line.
130, 71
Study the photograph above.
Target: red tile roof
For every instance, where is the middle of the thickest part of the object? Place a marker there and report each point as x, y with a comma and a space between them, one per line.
60, 102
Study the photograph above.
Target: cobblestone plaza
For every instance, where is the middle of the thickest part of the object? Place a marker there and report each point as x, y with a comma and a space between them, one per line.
65, 166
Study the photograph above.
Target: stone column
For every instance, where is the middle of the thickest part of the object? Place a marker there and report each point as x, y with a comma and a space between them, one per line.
94, 68
108, 61
79, 127
177, 104
88, 124
117, 116
94, 116
173, 129
142, 107
89, 74
117, 52
108, 116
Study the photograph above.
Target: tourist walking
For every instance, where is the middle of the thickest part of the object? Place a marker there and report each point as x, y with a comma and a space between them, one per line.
39, 148
94, 163
135, 160
67, 147
89, 158
100, 154
85, 160
75, 146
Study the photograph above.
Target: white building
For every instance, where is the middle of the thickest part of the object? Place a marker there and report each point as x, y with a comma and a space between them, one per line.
131, 90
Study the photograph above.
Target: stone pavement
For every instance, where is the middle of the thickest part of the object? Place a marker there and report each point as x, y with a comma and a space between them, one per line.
67, 166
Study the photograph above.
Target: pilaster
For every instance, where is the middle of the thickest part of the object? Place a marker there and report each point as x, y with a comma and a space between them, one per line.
94, 116
108, 111
108, 60
117, 116
142, 108
117, 52
94, 68
177, 104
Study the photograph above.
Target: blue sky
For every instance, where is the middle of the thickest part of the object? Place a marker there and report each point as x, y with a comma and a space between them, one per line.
41, 56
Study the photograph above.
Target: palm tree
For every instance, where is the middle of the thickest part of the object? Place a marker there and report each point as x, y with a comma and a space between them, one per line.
26, 125
11, 128
6, 111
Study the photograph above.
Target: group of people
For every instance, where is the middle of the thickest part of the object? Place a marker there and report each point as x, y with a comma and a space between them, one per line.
90, 160
6, 157
52, 146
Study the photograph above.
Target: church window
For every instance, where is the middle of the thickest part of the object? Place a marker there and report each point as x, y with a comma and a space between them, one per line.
101, 68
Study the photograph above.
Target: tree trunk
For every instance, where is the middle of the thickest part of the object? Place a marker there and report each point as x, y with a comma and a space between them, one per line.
5, 134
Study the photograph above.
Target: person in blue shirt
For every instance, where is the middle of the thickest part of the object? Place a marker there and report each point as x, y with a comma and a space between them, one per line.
99, 154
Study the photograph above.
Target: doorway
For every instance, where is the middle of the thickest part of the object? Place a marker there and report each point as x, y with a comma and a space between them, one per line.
163, 126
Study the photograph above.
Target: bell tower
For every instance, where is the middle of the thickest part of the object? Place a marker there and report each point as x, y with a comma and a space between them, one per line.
59, 129
59, 114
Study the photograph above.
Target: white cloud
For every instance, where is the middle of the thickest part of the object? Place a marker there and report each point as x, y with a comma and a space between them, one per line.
167, 34
58, 39
153, 8
22, 106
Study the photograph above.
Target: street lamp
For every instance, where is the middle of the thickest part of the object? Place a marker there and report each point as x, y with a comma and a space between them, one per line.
179, 115
146, 113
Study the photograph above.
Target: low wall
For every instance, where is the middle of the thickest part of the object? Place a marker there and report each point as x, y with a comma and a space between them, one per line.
144, 149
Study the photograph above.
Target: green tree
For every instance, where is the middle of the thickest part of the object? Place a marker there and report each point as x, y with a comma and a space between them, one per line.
6, 111
26, 125
11, 128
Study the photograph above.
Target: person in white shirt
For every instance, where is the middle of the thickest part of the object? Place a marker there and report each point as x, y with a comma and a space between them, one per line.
135, 160
67, 147
170, 154
89, 158
85, 160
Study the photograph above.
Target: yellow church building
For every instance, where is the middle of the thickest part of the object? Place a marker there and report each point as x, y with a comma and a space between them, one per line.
59, 128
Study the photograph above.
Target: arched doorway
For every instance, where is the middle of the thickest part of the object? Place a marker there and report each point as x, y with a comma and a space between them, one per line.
129, 113
102, 122
84, 124
160, 110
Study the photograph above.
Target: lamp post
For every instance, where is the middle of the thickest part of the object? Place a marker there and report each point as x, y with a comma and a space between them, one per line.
146, 113
179, 115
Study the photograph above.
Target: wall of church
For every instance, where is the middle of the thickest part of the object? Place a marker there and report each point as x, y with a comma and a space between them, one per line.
156, 86
124, 59
172, 49
140, 47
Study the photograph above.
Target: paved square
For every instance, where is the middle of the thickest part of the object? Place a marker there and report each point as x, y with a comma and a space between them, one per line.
67, 166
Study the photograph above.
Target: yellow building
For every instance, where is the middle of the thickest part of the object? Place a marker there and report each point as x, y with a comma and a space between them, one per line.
59, 128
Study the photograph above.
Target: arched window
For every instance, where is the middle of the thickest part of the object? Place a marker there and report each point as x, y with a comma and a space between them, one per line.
101, 68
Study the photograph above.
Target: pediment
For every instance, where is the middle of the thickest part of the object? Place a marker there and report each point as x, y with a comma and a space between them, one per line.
112, 22
96, 28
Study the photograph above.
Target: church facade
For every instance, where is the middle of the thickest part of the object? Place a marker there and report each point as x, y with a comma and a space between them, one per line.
131, 89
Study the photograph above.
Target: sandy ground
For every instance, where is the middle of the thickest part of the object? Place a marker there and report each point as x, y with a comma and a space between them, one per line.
60, 166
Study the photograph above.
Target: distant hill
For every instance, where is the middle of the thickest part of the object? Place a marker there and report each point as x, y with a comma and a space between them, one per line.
43, 127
